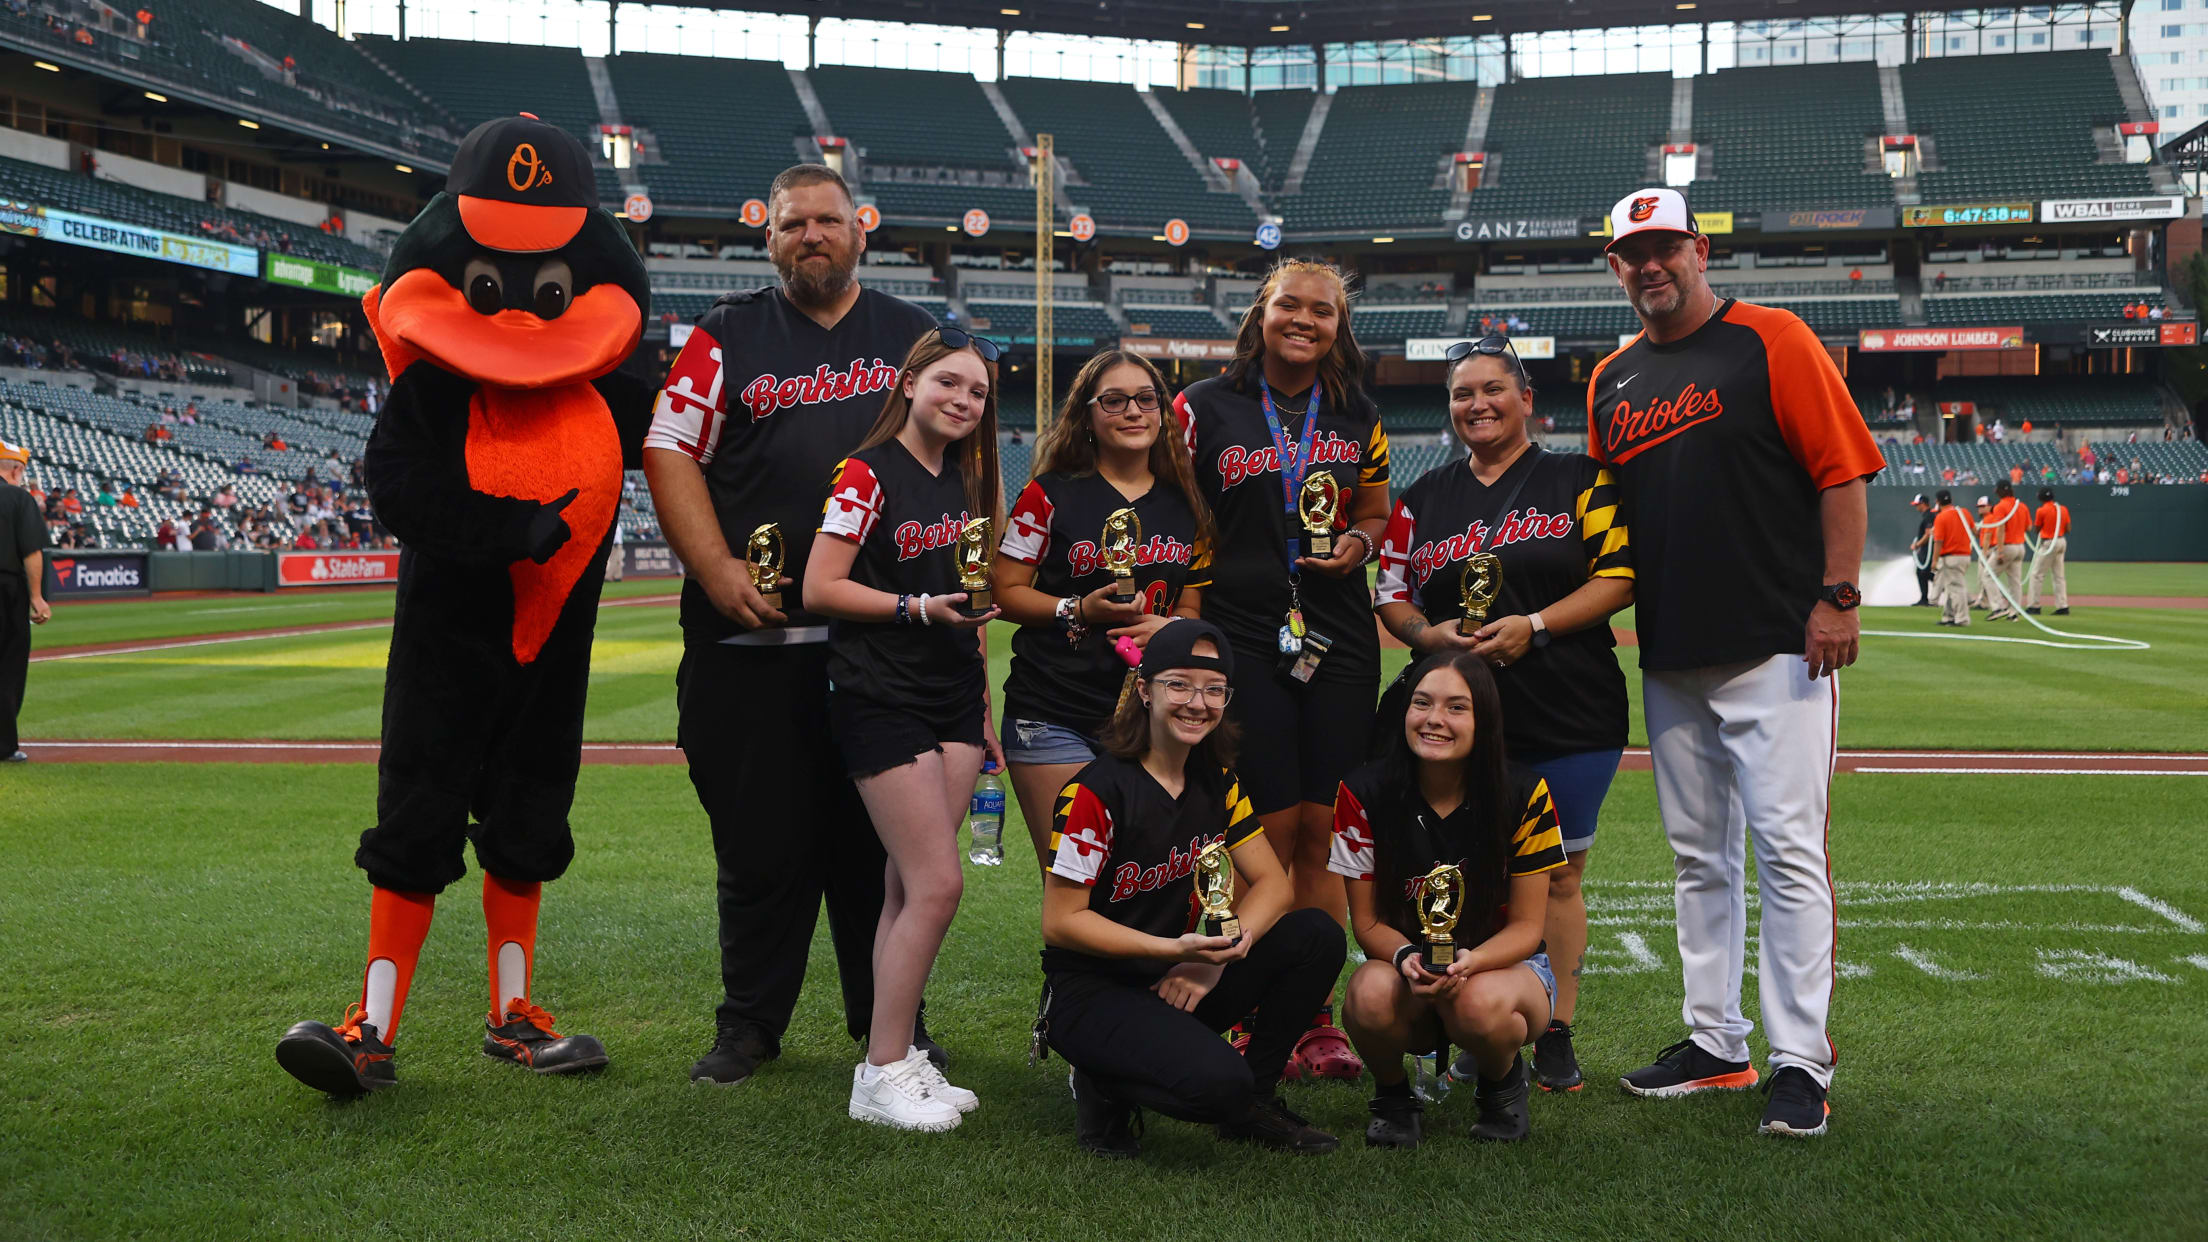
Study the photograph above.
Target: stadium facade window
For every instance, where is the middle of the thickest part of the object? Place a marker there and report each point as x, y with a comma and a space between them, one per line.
2170, 111
2039, 38
2168, 32
2173, 6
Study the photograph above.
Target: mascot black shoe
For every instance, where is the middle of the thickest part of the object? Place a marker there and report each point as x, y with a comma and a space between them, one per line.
503, 313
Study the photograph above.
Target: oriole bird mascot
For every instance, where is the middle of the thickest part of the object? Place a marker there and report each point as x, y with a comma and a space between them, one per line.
502, 314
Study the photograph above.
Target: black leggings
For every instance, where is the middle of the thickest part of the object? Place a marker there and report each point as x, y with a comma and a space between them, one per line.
1145, 1052
1299, 739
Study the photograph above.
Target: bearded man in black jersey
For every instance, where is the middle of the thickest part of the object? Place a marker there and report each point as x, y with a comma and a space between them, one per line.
773, 388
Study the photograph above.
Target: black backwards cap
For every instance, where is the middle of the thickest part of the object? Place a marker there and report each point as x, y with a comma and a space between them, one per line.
1175, 647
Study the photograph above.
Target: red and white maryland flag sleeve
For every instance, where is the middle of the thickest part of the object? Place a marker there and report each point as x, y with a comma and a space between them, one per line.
1080, 835
1351, 853
854, 502
692, 407
1027, 537
1393, 586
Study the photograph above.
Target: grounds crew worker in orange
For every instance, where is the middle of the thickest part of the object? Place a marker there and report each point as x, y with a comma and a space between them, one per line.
2054, 540
2010, 520
1989, 541
22, 597
1951, 558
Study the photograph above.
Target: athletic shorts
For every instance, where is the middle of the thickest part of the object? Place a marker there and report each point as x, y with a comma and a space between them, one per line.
1579, 782
1039, 741
875, 737
1299, 739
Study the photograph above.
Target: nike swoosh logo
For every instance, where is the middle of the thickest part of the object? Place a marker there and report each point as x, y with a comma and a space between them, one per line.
1629, 379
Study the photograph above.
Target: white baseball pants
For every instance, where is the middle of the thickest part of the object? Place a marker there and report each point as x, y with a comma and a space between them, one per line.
1744, 752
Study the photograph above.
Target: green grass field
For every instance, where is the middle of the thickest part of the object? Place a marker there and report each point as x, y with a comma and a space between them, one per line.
2024, 962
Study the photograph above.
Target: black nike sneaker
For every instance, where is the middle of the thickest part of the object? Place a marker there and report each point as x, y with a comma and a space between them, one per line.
1796, 1106
1269, 1123
1555, 1065
1684, 1069
926, 1042
527, 1039
1102, 1125
1396, 1121
1502, 1102
737, 1053
343, 1061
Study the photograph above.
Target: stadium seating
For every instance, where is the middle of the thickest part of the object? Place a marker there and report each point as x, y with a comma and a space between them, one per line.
2018, 128
1583, 322
1789, 138
1219, 124
2184, 460
1281, 116
1074, 323
2065, 401
1390, 325
1135, 176
1380, 155
913, 120
1192, 323
712, 161
2029, 307
1566, 146
475, 82
113, 200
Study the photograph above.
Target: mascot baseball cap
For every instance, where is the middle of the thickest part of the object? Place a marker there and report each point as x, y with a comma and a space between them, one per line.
1650, 211
14, 452
1174, 646
524, 186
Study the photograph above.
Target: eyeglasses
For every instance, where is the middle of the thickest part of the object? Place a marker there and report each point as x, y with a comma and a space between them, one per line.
1116, 402
1178, 692
959, 338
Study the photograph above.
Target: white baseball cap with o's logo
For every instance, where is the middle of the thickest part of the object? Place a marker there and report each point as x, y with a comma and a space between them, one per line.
1654, 210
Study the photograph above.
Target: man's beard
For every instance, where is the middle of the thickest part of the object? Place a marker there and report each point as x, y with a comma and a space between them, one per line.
1651, 304
810, 288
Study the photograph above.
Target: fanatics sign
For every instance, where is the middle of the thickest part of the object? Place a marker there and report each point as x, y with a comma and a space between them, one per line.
79, 574
1877, 340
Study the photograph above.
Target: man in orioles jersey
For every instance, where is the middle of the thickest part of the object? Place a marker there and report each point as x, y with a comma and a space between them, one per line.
1741, 462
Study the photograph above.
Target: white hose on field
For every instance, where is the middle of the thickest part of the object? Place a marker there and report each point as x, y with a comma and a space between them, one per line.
2092, 642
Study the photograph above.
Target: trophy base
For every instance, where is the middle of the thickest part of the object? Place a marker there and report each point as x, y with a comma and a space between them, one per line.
772, 599
1230, 927
1321, 545
977, 603
1468, 625
1123, 590
1437, 957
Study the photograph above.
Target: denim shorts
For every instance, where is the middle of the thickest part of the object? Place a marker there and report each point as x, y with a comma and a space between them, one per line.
1037, 741
1542, 971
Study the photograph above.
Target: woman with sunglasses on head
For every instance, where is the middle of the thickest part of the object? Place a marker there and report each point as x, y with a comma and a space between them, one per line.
1136, 992
1104, 454
1562, 568
909, 694
1288, 409
1445, 794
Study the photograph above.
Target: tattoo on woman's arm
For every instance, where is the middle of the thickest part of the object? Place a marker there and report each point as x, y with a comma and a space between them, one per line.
1410, 631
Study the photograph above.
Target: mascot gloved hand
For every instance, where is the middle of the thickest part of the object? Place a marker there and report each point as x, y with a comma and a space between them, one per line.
502, 314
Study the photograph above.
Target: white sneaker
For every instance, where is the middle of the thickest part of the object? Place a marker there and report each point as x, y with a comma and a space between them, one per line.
940, 1087
898, 1096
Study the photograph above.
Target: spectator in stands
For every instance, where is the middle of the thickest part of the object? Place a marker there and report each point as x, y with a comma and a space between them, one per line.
128, 500
152, 433
245, 466
205, 534
275, 444
191, 414
226, 498
71, 503
1939, 282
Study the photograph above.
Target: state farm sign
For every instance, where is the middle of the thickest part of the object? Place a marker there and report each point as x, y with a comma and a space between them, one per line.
300, 569
1891, 339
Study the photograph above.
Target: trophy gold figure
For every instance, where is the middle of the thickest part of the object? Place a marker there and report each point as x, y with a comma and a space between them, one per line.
1319, 501
1122, 535
974, 549
1481, 583
1440, 901
764, 551
1215, 891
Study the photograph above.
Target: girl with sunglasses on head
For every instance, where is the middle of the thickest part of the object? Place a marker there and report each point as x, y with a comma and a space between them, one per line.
1289, 408
1564, 567
1103, 454
1136, 991
909, 696
1445, 794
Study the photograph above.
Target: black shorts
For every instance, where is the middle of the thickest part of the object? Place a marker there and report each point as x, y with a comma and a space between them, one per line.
875, 737
1299, 739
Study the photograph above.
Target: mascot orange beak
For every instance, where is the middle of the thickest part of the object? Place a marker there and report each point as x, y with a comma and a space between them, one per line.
510, 348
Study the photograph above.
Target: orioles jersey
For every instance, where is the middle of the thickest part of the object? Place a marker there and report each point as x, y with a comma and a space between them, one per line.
1721, 442
1117, 831
1365, 799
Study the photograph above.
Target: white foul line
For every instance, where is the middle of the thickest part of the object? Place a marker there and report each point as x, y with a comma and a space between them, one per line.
2184, 921
1923, 961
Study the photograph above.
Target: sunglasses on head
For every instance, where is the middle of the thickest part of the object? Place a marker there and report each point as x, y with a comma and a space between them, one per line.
959, 338
1497, 344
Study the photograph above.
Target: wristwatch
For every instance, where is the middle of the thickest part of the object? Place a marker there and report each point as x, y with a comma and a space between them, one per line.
1841, 595
1541, 633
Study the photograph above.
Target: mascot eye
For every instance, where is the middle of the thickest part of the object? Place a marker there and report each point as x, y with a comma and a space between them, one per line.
555, 282
486, 296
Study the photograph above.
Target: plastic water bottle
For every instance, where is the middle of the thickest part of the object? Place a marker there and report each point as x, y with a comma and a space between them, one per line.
985, 821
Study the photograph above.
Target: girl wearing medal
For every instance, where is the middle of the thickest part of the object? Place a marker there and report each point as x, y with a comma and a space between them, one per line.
1288, 411
1103, 456
1562, 566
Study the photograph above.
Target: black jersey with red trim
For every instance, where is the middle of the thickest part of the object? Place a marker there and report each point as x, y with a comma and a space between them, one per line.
1118, 831
1057, 526
1364, 798
1721, 442
1562, 529
766, 401
1238, 470
906, 522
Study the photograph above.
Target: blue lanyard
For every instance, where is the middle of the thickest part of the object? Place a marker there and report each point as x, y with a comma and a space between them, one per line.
1294, 455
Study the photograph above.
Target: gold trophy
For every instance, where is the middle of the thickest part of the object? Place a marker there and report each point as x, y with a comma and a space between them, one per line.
1319, 501
764, 551
974, 550
1481, 583
1215, 891
1122, 535
1440, 901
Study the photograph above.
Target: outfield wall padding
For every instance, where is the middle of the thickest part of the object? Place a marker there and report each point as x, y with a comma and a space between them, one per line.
2142, 522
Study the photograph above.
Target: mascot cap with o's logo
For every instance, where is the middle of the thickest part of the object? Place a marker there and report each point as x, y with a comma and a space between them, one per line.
524, 186
1650, 211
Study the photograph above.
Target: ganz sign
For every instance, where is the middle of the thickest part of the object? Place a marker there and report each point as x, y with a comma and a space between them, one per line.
1515, 229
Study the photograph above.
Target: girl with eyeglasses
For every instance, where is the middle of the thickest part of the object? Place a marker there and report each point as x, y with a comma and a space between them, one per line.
1136, 993
1290, 407
909, 695
1104, 453
1565, 567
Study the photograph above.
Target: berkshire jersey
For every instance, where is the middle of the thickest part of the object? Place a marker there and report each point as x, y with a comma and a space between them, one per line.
766, 401
906, 523
1364, 799
1118, 831
1238, 470
1721, 442
1056, 526
1562, 529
